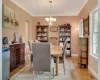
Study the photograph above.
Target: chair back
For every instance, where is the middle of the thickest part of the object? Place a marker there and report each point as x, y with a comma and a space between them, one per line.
64, 49
41, 57
30, 44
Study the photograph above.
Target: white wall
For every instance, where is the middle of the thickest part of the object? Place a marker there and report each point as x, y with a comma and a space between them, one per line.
0, 39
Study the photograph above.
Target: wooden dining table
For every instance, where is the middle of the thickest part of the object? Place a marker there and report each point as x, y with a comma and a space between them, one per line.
56, 51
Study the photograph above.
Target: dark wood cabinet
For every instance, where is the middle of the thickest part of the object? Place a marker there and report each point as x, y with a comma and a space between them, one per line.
17, 55
65, 35
42, 33
22, 55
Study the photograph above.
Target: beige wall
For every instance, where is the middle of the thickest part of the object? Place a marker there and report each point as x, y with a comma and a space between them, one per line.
91, 4
60, 21
22, 16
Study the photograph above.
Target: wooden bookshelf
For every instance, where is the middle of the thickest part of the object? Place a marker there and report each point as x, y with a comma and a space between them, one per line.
86, 27
42, 33
83, 57
65, 34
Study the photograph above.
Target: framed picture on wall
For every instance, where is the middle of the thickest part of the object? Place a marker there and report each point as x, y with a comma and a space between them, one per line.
53, 29
10, 18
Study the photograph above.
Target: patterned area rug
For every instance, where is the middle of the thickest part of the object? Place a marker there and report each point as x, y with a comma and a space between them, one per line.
26, 74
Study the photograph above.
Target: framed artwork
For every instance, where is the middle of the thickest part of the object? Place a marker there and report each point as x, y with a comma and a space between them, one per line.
10, 18
53, 29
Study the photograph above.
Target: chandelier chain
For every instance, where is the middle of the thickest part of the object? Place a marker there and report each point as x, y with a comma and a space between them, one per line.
50, 19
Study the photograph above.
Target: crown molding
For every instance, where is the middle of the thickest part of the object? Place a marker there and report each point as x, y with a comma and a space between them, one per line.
26, 10
82, 6
22, 7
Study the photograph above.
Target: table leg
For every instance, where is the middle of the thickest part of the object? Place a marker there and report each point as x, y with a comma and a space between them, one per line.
57, 65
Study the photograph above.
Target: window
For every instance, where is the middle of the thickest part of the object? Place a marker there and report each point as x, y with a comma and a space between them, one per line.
81, 28
94, 33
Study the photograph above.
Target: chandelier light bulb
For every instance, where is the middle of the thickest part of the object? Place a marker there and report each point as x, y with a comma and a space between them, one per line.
50, 19
54, 19
50, 23
47, 19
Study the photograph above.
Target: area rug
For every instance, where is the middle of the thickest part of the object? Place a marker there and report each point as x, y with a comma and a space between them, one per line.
26, 74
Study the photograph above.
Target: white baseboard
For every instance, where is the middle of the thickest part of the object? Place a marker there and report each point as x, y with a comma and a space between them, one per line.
74, 55
93, 72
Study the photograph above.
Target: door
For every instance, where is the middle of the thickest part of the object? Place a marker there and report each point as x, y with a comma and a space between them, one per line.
26, 33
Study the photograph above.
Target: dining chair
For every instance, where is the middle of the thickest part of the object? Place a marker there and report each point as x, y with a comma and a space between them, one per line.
30, 44
42, 61
64, 56
30, 48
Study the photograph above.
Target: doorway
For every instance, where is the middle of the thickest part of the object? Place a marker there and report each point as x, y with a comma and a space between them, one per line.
26, 33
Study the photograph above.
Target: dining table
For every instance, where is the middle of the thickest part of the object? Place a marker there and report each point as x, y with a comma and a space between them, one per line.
56, 51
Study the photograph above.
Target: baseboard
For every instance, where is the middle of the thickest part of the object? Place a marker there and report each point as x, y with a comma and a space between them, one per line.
74, 55
93, 73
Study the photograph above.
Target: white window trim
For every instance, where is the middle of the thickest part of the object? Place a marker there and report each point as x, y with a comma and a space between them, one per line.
91, 35
81, 28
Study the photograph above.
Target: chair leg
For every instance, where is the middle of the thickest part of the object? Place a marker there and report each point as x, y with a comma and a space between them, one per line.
49, 75
53, 73
33, 76
31, 67
64, 68
42, 72
36, 73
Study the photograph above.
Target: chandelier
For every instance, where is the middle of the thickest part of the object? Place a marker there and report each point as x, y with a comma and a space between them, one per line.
50, 19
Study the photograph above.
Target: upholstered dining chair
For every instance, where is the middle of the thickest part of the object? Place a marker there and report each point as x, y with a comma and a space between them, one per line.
42, 61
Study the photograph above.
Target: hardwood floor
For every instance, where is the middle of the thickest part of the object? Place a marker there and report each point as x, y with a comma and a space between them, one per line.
16, 70
81, 73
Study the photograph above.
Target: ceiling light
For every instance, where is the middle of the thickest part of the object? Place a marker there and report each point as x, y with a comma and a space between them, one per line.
50, 19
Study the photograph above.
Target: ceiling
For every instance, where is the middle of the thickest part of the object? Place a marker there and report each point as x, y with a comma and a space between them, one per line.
59, 7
